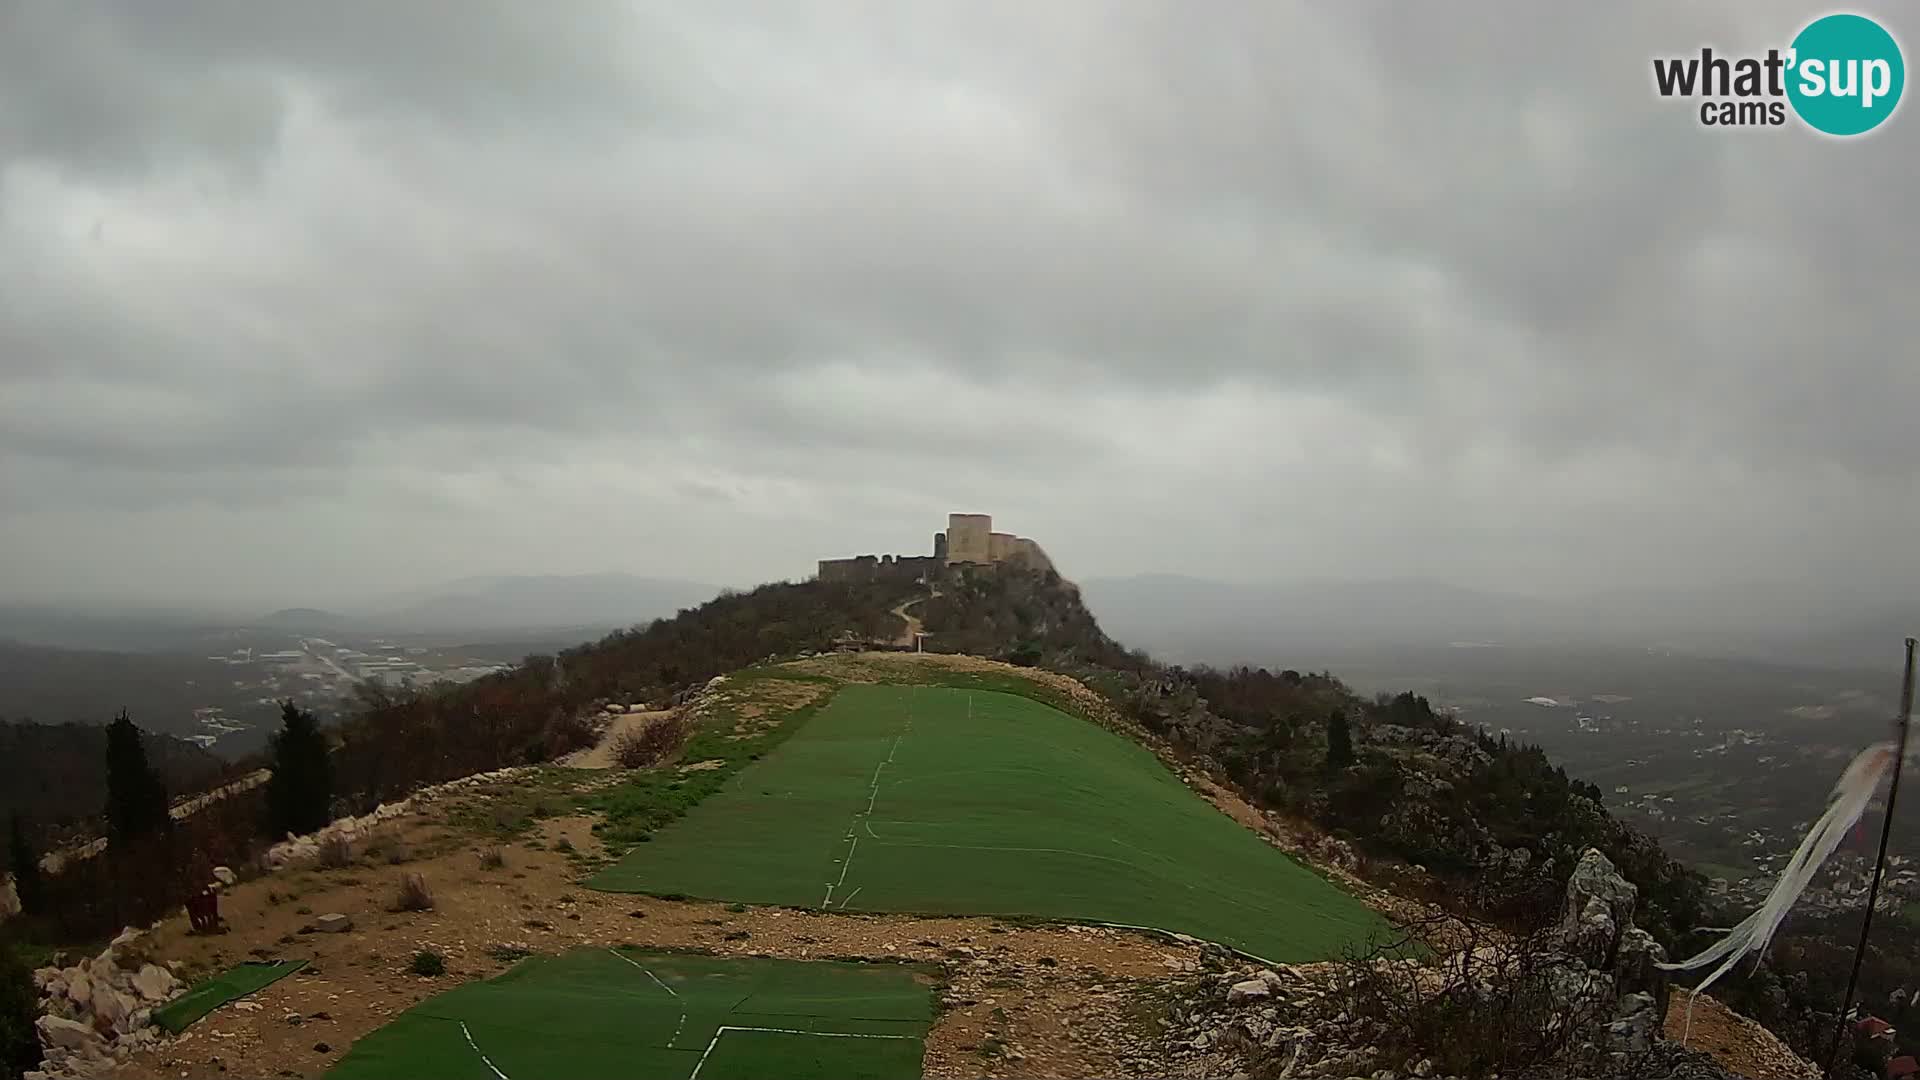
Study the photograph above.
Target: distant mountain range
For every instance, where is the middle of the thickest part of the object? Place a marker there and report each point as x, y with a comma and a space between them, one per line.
1312, 625
514, 606
546, 602
1303, 625
1183, 618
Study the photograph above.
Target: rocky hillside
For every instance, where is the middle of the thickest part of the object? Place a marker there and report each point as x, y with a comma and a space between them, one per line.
1385, 790
500, 858
1580, 1000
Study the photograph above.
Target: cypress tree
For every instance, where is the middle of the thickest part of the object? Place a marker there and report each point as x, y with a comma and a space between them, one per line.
300, 793
136, 799
1339, 741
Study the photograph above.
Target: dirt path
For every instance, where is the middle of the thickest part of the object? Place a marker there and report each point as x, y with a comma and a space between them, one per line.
600, 755
914, 624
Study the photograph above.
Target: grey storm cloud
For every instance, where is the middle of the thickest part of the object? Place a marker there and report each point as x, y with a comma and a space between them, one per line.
1365, 290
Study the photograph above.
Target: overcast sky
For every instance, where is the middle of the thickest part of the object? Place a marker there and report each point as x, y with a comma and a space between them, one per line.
301, 302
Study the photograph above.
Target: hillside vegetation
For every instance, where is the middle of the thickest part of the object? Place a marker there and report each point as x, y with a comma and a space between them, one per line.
57, 773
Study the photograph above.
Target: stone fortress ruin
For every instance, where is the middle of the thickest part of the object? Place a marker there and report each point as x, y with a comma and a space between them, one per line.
968, 540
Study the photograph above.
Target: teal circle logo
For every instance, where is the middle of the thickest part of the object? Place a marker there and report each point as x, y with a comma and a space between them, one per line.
1846, 75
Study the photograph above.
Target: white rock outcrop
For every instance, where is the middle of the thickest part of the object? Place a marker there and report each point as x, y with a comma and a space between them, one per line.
100, 1010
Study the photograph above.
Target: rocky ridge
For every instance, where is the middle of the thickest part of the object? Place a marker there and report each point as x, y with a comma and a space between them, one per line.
1589, 980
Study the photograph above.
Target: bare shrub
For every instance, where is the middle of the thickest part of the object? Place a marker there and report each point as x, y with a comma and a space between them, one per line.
565, 733
652, 744
388, 848
336, 853
493, 859
1494, 1005
413, 894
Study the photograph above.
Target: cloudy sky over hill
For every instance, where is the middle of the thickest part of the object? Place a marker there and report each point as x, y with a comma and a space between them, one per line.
302, 302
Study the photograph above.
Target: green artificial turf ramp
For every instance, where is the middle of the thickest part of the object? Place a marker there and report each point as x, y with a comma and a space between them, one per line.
945, 801
233, 983
659, 1016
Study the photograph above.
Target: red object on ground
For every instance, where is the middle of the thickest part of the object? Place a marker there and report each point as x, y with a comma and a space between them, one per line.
203, 911
1901, 1068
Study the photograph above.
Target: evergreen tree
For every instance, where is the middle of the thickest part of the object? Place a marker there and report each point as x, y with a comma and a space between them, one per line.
1339, 741
26, 869
19, 1007
136, 799
300, 793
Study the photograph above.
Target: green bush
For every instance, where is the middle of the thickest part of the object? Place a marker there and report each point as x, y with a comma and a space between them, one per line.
19, 1045
428, 963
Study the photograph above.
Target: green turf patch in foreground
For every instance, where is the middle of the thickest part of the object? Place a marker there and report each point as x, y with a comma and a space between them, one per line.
945, 801
235, 982
659, 1016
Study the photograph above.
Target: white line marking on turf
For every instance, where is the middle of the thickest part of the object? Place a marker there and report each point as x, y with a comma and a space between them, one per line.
650, 975
483, 1057
677, 1028
844, 867
723, 1029
818, 1034
873, 793
850, 896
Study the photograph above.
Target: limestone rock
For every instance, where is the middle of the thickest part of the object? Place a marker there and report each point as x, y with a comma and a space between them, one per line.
333, 923
1636, 967
1598, 909
80, 987
111, 1008
1251, 990
154, 982
71, 1034
103, 967
225, 876
1635, 1028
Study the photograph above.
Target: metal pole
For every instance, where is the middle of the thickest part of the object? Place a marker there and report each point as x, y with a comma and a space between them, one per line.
1880, 862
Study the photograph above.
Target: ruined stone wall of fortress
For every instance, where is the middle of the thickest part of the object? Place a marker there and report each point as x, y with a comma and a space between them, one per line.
968, 540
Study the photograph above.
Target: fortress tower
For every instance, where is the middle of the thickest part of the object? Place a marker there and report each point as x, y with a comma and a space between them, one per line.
970, 539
